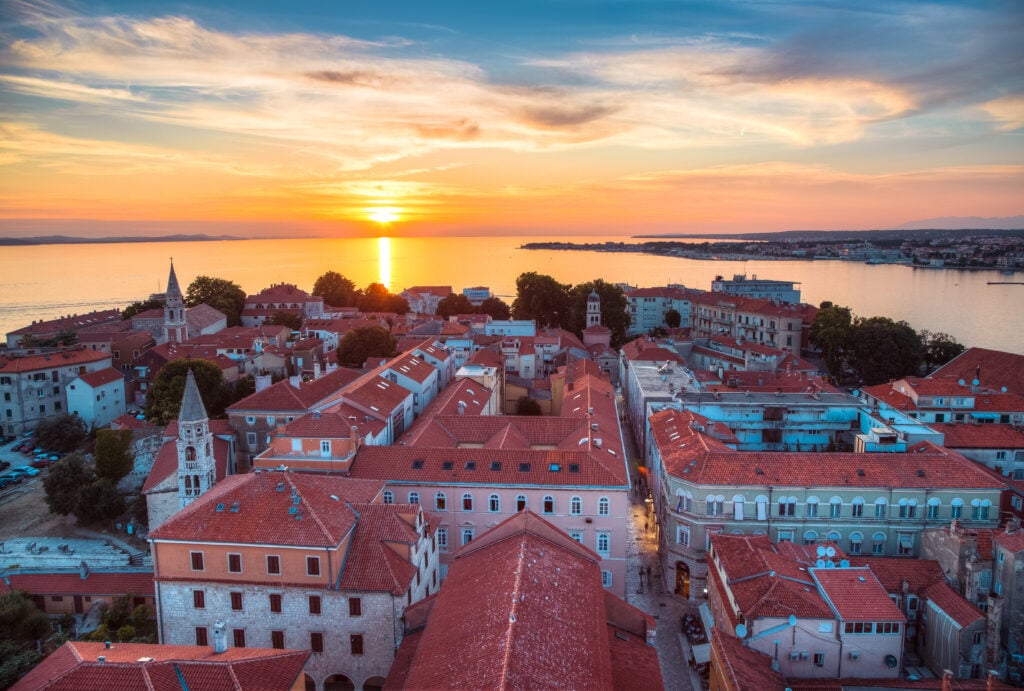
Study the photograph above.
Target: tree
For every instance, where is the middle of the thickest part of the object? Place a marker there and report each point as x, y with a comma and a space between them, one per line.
365, 342
21, 625
377, 298
939, 348
218, 293
527, 406
673, 319
335, 289
141, 306
163, 399
66, 477
455, 303
61, 433
113, 456
541, 298
292, 321
98, 501
882, 349
495, 307
614, 308
831, 332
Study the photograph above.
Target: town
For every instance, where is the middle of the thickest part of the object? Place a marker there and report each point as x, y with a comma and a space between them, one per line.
700, 488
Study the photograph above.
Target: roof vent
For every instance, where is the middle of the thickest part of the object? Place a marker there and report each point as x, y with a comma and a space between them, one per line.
574, 467
495, 465
470, 465
220, 507
920, 472
524, 467
417, 464
235, 506
280, 487
759, 471
860, 472
447, 465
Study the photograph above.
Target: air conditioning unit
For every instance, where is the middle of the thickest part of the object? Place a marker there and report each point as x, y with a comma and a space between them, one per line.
854, 655
805, 656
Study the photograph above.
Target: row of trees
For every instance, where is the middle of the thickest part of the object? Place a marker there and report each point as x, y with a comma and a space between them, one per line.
338, 291
553, 304
876, 349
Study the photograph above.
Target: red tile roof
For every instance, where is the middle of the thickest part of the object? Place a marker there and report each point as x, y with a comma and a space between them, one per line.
892, 572
374, 561
997, 369
994, 436
746, 669
95, 583
101, 377
262, 514
953, 604
413, 367
377, 394
130, 666
1010, 541
72, 323
856, 595
62, 358
165, 465
283, 397
524, 607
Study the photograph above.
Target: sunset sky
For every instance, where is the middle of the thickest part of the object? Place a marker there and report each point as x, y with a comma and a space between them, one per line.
562, 117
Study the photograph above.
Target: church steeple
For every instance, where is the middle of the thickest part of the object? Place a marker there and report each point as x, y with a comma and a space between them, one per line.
593, 309
175, 326
197, 468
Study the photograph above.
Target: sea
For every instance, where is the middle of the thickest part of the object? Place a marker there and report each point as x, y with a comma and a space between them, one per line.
978, 308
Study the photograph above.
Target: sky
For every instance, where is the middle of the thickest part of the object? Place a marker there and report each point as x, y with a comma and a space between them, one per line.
562, 117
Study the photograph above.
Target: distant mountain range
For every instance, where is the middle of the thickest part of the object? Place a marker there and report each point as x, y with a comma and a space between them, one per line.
70, 240
966, 222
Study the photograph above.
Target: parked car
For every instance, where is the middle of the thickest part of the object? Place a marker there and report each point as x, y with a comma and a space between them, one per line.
4, 465
11, 479
43, 462
25, 470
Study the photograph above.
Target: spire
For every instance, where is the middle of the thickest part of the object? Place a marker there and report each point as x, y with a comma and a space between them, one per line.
192, 408
173, 289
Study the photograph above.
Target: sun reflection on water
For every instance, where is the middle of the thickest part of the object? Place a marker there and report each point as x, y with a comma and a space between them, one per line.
384, 259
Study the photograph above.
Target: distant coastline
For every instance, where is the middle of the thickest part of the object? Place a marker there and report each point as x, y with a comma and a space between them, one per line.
845, 235
71, 240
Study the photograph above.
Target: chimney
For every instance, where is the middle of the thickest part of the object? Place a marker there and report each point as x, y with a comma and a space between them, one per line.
947, 680
990, 680
993, 624
220, 638
101, 659
462, 407
83, 570
263, 381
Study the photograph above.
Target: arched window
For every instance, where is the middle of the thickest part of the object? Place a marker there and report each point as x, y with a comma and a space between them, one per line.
762, 507
714, 505
835, 507
389, 497
440, 501
857, 507
190, 453
467, 502
549, 504
414, 497
878, 543
494, 503
835, 536
812, 507
684, 501
603, 506
759, 531
881, 508
188, 485
737, 507
933, 507
787, 506
810, 537
575, 506
908, 507
521, 502
956, 508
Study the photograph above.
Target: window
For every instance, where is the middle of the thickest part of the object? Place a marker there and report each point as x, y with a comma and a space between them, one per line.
494, 503
856, 539
467, 502
467, 535
201, 638
199, 599
933, 508
762, 508
239, 636
956, 508
235, 563
603, 543
549, 504
787, 507
819, 659
878, 543
810, 537
857, 509
683, 535
356, 643
236, 600
834, 536
576, 535
603, 506
314, 604
905, 545
835, 507
737, 507
250, 419
316, 642
440, 501
414, 497
325, 447
606, 578
197, 561
275, 602
812, 507
979, 509
442, 539
520, 503
714, 506
389, 497
785, 536
250, 439
312, 566
575, 506
880, 508
277, 639
355, 607
273, 565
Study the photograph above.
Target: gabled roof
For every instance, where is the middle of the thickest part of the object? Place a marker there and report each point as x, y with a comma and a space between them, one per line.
202, 316
375, 561
993, 368
746, 669
95, 583
283, 397
101, 377
130, 666
893, 572
378, 394
953, 604
255, 508
855, 594
995, 436
62, 358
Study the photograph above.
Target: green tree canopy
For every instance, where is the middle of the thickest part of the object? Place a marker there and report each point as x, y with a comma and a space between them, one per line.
98, 501
365, 342
673, 319
377, 298
113, 455
220, 294
614, 308
289, 319
543, 299
939, 348
496, 308
141, 306
62, 484
336, 290
163, 399
21, 625
456, 303
61, 433
882, 349
831, 332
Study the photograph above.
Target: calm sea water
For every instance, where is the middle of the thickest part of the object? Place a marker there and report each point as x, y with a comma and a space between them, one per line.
43, 282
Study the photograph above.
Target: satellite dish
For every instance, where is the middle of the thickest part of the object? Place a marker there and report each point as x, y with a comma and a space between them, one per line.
856, 393
844, 563
830, 565
830, 551
741, 630
820, 550
961, 382
792, 620
1003, 389
820, 563
975, 382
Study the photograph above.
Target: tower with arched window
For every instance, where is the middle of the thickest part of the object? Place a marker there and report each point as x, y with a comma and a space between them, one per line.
593, 309
196, 465
175, 326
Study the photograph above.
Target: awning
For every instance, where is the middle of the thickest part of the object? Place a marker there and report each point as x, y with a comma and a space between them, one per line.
702, 653
984, 416
706, 617
907, 541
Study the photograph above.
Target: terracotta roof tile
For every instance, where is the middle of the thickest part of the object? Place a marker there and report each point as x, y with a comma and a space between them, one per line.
891, 572
953, 604
961, 436
856, 595
62, 358
745, 669
95, 583
101, 377
1012, 542
372, 562
283, 397
993, 368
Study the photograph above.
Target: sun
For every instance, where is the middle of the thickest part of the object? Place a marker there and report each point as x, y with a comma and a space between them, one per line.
385, 214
